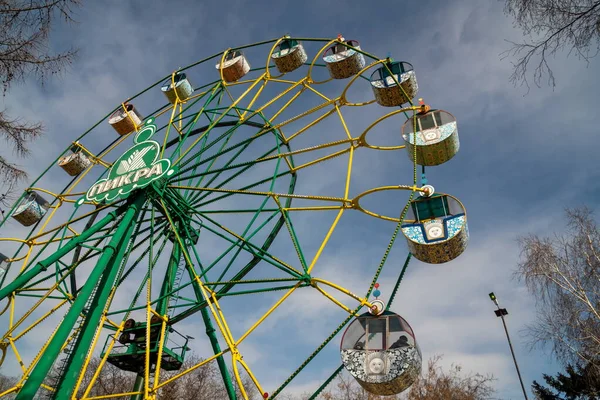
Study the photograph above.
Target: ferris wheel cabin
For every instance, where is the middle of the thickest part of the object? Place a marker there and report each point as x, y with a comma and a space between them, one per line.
4, 264
31, 209
130, 352
74, 163
289, 56
125, 120
387, 92
436, 228
381, 353
343, 61
234, 67
436, 137
177, 87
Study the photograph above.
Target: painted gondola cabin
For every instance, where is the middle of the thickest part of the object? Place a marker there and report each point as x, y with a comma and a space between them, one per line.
234, 66
177, 88
4, 264
381, 353
74, 163
289, 55
436, 137
125, 119
31, 209
436, 228
387, 92
343, 61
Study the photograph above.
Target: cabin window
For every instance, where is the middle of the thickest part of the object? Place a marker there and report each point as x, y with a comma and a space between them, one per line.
427, 122
377, 334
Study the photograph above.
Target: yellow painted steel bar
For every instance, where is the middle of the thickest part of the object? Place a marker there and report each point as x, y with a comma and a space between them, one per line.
99, 157
310, 125
280, 95
161, 343
333, 299
26, 259
305, 150
363, 137
301, 115
257, 193
315, 208
73, 220
8, 302
287, 81
325, 240
36, 305
269, 312
237, 111
192, 368
267, 69
112, 396
251, 375
43, 242
91, 155
343, 98
168, 130
258, 92
346, 130
223, 321
288, 103
356, 204
321, 95
95, 343
36, 322
193, 145
202, 287
349, 173
238, 378
149, 318
13, 240
363, 301
321, 159
9, 391
102, 362
317, 55
88, 358
18, 356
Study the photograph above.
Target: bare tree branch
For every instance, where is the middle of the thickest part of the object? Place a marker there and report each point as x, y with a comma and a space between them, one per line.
25, 52
563, 274
552, 25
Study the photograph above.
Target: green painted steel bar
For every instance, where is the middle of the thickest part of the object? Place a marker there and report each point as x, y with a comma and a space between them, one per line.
287, 172
169, 280
89, 329
40, 371
210, 332
392, 296
214, 342
138, 386
43, 265
326, 383
357, 309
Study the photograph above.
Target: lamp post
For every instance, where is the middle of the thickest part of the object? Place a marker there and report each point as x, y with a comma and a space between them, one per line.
501, 312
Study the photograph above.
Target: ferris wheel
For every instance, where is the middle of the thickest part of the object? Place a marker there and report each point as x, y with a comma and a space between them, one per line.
171, 207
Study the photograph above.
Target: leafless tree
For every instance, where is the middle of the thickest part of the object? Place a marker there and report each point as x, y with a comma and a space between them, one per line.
435, 384
6, 383
552, 25
563, 274
25, 27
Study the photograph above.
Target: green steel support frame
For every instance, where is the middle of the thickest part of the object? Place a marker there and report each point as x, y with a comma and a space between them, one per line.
97, 277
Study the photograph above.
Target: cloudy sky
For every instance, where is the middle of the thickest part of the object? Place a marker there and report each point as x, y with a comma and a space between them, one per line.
523, 158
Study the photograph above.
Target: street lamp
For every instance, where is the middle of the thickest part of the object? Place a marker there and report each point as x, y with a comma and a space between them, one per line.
501, 312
